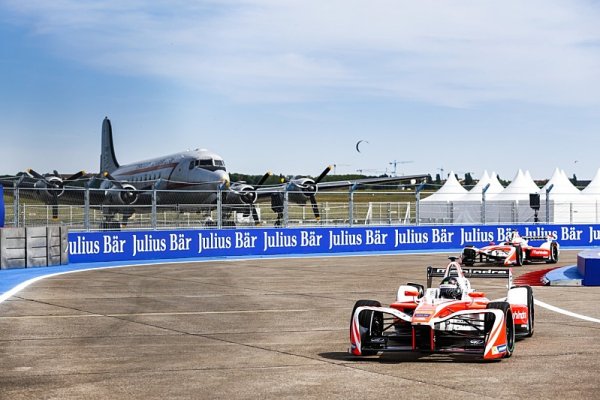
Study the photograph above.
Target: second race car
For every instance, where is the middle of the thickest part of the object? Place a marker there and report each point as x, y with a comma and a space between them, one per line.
515, 251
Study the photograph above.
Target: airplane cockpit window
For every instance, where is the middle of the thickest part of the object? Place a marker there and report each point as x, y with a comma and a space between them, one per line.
209, 164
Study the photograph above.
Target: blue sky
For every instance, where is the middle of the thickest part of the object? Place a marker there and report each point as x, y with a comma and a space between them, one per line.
291, 86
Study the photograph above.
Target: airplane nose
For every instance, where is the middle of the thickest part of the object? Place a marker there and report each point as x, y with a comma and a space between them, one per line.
224, 178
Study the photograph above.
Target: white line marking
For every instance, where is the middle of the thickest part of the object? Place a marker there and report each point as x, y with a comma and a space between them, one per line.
565, 312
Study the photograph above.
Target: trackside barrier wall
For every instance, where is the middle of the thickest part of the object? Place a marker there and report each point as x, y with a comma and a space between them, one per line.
176, 244
33, 247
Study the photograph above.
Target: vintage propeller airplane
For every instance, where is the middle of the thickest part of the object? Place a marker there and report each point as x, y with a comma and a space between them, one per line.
189, 177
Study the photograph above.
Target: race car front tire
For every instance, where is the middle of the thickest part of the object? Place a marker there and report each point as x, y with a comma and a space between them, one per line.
523, 295
370, 322
508, 323
530, 312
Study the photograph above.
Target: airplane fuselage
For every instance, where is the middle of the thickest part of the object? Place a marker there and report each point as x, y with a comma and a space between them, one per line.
190, 177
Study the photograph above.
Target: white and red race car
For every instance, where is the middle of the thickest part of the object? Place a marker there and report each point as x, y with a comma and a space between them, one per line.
451, 318
515, 251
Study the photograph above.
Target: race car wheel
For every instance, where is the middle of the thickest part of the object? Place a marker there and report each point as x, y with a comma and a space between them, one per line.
370, 322
508, 322
531, 311
468, 256
553, 254
519, 256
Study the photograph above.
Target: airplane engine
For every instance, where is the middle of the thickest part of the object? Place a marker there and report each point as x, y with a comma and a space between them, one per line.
49, 188
241, 193
122, 194
301, 190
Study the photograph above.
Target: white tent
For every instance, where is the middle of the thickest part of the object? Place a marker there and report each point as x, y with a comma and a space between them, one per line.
585, 208
562, 195
440, 206
560, 185
566, 203
452, 190
469, 207
593, 188
476, 192
519, 189
512, 204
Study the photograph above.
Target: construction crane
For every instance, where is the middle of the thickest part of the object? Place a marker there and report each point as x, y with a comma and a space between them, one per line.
395, 165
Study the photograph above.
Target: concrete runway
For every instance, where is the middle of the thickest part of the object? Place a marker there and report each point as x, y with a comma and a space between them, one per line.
269, 329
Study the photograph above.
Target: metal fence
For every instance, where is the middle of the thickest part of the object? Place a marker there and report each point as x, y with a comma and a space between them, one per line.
81, 209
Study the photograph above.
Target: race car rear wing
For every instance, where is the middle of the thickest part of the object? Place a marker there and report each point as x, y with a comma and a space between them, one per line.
438, 272
548, 237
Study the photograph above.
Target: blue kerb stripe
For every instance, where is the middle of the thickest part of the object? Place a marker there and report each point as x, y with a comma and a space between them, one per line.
10, 278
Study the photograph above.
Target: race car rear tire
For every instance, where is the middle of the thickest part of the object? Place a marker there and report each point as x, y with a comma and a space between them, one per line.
519, 255
509, 324
468, 256
370, 322
553, 254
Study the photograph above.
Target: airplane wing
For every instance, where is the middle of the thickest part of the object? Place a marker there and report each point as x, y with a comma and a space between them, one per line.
302, 190
49, 188
409, 179
54, 189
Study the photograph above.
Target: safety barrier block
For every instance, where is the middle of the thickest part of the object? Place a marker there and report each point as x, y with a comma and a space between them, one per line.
53, 244
64, 245
37, 246
12, 248
588, 265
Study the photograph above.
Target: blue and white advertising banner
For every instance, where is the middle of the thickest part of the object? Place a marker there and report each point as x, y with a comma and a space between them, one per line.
159, 244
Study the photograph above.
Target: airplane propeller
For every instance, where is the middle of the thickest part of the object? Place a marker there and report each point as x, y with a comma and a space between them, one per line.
300, 190
312, 189
252, 206
51, 187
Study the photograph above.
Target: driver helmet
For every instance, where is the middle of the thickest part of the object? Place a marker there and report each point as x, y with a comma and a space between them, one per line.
450, 289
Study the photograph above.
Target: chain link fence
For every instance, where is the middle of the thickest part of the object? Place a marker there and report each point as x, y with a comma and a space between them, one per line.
95, 209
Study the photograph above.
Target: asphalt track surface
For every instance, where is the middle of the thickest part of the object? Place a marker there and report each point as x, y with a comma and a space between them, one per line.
263, 328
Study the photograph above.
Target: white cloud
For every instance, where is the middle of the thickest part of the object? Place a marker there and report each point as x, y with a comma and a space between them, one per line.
455, 53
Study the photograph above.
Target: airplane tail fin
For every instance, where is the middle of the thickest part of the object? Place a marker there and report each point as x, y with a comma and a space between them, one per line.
108, 161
